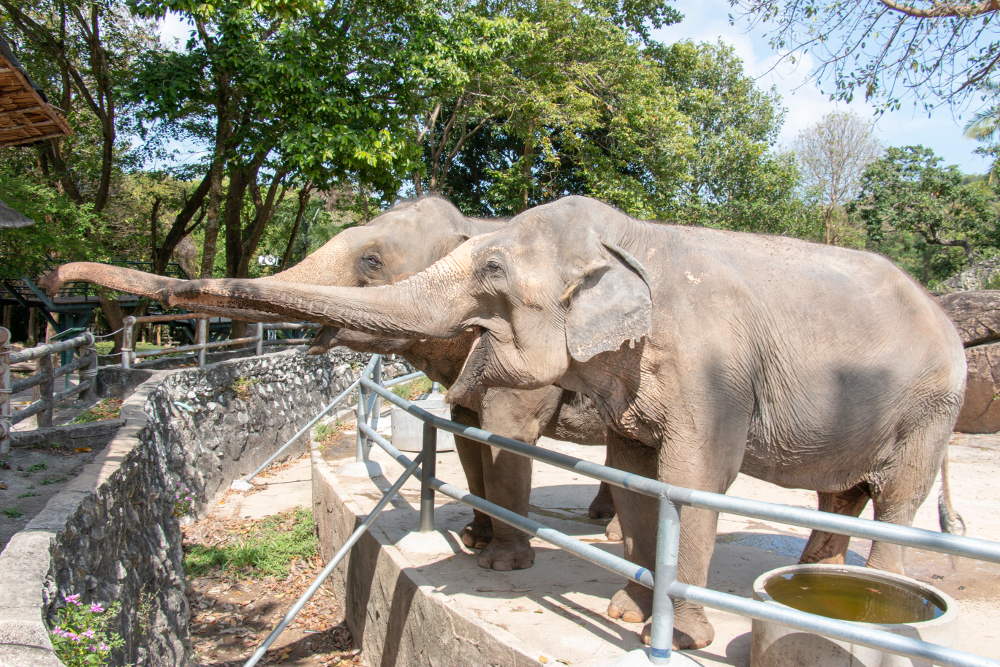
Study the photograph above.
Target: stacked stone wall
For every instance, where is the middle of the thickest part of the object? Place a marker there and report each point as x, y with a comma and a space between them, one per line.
111, 534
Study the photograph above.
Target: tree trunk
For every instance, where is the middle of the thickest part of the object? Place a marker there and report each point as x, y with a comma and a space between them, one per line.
6, 317
304, 195
179, 229
113, 314
32, 327
212, 219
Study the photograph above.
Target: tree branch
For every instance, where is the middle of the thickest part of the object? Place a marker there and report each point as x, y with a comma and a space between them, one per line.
944, 9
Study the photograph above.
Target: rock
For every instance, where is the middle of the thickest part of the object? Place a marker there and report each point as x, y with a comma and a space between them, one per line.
981, 411
976, 315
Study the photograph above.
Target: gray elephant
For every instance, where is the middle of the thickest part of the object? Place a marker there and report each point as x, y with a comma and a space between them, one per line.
707, 353
407, 239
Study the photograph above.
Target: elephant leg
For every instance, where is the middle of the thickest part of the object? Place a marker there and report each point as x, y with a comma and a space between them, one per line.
613, 533
508, 484
477, 534
897, 496
636, 514
827, 547
516, 414
603, 505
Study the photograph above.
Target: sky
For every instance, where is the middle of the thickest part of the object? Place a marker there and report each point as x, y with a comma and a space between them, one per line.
708, 21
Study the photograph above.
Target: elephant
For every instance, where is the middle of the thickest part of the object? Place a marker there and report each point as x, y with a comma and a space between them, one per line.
706, 352
406, 239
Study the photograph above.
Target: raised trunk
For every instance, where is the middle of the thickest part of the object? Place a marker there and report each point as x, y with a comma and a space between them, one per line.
432, 304
111, 277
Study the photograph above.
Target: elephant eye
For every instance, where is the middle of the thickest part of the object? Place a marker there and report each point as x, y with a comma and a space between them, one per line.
493, 267
372, 262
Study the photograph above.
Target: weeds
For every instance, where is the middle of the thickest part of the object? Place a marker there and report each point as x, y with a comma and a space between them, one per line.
183, 501
410, 390
13, 513
267, 549
36, 467
29, 494
243, 387
109, 408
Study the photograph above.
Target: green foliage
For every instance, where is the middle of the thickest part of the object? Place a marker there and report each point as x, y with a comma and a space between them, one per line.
13, 513
923, 215
267, 550
83, 637
183, 500
243, 387
410, 390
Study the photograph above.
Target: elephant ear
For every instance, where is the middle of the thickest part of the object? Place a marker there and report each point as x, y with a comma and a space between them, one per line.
609, 303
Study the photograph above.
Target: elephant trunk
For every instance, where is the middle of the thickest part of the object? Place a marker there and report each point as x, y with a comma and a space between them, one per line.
112, 277
435, 303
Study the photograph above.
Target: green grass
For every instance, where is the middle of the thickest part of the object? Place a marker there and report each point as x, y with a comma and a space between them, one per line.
13, 513
27, 495
268, 549
109, 408
410, 390
105, 346
37, 466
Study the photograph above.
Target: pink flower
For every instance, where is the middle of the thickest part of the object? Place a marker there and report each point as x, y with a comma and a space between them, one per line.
96, 608
89, 634
74, 599
105, 647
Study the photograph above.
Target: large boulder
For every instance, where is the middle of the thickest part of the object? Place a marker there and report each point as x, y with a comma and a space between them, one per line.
977, 317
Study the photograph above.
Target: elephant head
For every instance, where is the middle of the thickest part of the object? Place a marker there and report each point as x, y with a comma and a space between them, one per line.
554, 286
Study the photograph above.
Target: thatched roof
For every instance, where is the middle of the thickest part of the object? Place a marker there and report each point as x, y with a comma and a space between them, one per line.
25, 114
9, 218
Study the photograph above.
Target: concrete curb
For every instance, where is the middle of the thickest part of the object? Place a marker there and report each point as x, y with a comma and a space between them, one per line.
393, 611
26, 570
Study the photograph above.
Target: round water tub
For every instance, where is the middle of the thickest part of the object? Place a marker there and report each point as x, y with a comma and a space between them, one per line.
874, 598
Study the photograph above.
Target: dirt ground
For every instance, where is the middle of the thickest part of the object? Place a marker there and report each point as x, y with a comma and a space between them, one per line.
232, 612
29, 477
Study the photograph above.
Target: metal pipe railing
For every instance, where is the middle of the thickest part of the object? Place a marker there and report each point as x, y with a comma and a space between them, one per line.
665, 587
292, 326
201, 345
44, 378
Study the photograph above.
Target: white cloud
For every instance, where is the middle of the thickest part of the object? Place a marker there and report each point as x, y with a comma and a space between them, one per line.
708, 21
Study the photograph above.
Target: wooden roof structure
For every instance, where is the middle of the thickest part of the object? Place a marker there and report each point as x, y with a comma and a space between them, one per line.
25, 114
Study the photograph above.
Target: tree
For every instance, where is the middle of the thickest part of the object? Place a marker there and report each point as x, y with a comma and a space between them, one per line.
736, 180
907, 201
938, 52
833, 156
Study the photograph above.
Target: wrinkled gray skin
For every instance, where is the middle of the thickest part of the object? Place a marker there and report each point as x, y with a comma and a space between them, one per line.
707, 352
403, 241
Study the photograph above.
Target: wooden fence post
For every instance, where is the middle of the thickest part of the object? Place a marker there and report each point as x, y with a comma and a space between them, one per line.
4, 391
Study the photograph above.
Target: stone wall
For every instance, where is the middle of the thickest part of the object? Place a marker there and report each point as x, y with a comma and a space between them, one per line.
111, 534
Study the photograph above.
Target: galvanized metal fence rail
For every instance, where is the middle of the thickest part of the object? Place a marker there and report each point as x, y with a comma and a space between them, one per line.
264, 341
663, 580
44, 378
201, 345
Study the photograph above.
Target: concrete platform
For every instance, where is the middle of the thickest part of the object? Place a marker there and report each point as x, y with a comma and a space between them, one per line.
424, 600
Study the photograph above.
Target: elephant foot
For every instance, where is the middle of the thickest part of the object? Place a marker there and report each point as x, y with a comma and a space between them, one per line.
602, 507
478, 534
695, 636
505, 556
632, 604
613, 533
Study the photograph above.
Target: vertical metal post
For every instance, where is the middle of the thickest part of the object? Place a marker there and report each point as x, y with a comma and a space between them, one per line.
43, 367
4, 391
667, 539
127, 325
360, 451
202, 339
375, 404
428, 469
89, 372
260, 338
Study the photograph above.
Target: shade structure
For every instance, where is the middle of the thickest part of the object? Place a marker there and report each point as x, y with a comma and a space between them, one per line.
25, 115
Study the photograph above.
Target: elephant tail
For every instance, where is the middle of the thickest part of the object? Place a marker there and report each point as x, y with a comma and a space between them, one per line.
950, 520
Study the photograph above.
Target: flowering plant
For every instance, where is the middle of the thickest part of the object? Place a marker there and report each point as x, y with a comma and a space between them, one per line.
183, 501
83, 638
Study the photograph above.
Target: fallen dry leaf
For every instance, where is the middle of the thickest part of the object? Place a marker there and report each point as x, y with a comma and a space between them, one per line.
82, 449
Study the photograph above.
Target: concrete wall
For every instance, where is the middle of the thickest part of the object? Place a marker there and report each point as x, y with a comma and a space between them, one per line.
111, 534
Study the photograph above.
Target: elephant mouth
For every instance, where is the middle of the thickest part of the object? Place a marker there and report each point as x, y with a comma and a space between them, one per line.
470, 377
